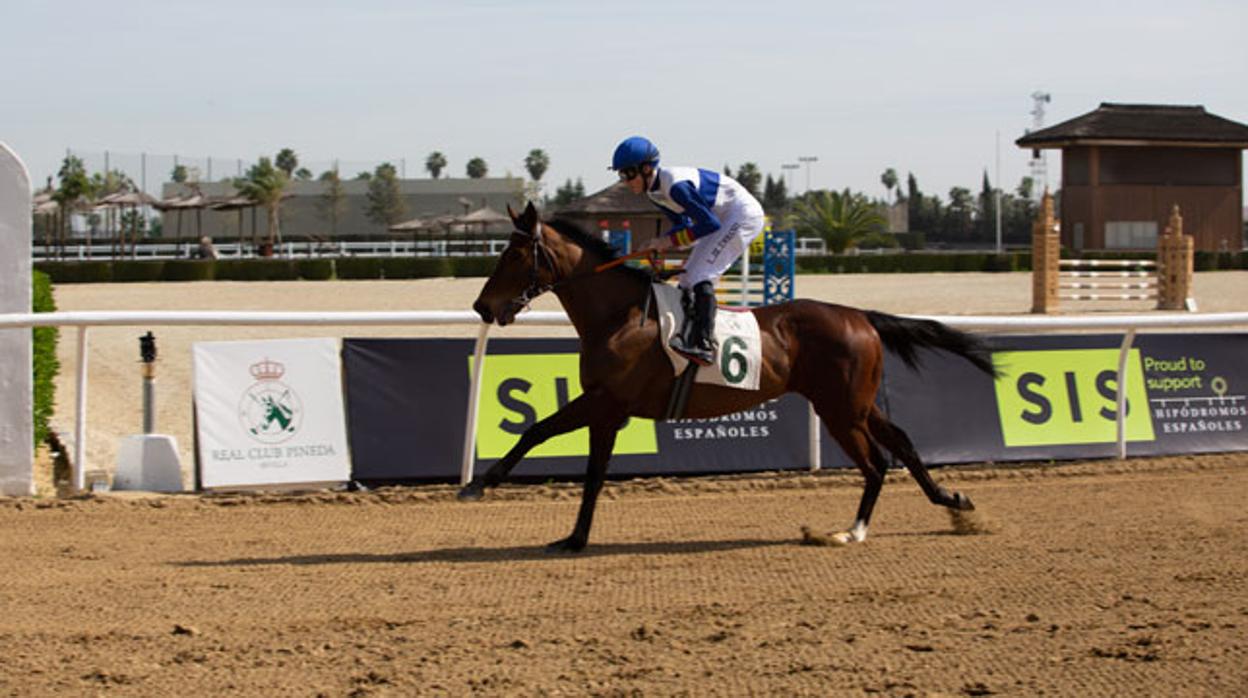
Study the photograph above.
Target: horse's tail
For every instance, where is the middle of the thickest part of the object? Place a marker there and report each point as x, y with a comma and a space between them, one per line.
905, 336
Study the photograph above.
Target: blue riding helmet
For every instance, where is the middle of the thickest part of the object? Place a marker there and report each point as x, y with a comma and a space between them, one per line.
633, 152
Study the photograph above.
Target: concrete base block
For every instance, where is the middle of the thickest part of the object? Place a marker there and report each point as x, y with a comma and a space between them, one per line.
148, 462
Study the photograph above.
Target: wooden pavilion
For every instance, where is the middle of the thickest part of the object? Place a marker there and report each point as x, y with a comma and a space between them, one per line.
1126, 166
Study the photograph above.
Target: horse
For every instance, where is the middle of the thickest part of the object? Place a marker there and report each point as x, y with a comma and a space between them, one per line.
832, 355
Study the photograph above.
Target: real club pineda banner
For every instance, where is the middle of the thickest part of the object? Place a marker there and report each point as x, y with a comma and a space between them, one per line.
407, 399
270, 413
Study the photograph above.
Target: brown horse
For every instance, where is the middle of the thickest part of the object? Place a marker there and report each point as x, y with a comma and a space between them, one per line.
830, 354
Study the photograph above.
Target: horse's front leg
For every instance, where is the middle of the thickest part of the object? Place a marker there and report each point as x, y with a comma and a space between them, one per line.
571, 417
602, 433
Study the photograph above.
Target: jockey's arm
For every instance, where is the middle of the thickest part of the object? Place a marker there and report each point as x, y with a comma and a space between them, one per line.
699, 221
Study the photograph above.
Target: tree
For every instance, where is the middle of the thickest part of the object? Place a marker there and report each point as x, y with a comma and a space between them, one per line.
889, 180
384, 202
569, 192
265, 185
842, 219
303, 174
287, 161
959, 216
749, 177
178, 175
477, 168
775, 195
333, 202
435, 163
537, 162
986, 223
74, 187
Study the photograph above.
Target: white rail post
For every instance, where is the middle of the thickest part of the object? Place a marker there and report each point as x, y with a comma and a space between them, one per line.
80, 415
17, 430
474, 399
1122, 392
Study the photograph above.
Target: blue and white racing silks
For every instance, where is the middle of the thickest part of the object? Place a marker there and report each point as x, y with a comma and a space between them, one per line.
709, 209
698, 201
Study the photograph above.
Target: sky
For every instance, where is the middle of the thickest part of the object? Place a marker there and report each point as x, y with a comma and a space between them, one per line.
923, 87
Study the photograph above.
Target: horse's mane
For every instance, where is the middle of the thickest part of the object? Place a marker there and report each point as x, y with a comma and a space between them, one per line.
594, 244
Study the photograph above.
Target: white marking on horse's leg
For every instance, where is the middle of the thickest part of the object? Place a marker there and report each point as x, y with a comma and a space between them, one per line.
856, 533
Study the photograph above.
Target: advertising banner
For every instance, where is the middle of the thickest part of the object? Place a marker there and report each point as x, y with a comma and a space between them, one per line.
269, 413
1055, 398
407, 399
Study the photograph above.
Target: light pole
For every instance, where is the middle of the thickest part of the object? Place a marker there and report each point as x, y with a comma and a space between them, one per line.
808, 159
789, 167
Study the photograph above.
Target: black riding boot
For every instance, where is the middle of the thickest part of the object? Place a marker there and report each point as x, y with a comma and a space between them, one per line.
697, 342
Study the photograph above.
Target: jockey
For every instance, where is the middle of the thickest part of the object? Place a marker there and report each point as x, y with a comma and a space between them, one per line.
708, 210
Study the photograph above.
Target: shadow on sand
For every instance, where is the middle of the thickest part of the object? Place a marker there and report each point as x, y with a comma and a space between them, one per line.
508, 554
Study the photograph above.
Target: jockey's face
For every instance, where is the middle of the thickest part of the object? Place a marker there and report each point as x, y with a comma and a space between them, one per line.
637, 179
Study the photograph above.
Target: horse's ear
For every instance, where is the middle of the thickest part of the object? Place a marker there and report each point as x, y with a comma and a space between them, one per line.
526, 221
511, 213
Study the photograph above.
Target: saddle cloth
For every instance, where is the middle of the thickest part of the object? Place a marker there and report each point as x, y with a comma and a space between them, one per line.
739, 351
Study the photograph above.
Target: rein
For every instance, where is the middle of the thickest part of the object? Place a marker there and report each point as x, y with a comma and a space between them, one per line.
540, 252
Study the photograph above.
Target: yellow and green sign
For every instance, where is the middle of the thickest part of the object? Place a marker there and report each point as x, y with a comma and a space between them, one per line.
518, 390
1068, 396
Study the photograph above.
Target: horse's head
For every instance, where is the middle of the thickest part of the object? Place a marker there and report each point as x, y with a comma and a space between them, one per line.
525, 271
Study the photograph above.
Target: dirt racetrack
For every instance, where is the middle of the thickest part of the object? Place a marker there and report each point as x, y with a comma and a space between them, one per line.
1103, 578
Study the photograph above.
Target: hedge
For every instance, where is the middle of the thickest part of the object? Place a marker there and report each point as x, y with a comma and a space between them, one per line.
45, 363
914, 262
463, 267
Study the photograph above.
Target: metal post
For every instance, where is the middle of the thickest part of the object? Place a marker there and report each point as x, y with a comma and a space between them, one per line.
1122, 392
147, 352
80, 415
474, 399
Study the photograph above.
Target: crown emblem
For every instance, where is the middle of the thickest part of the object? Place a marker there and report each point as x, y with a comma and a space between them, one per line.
267, 370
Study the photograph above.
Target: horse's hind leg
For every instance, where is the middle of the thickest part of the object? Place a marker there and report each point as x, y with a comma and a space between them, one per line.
898, 443
855, 440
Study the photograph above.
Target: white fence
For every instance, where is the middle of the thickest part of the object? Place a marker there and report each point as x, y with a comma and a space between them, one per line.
457, 246
83, 321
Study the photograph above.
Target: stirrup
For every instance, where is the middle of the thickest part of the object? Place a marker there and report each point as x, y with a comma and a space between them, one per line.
698, 355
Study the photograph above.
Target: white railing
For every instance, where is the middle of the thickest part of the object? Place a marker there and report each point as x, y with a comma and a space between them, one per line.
458, 246
84, 320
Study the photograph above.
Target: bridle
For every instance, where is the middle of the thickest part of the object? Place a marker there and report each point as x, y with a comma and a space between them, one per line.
540, 252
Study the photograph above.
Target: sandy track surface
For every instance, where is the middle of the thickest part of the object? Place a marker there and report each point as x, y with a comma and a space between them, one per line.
114, 392
1102, 578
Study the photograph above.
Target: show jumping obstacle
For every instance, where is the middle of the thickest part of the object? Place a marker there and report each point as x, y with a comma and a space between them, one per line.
1166, 279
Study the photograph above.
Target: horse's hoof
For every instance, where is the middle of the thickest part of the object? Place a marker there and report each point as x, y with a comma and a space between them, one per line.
471, 492
962, 502
566, 545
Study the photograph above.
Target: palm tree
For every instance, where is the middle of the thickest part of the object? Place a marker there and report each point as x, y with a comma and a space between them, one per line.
537, 162
477, 168
287, 161
435, 163
889, 180
840, 218
265, 185
75, 186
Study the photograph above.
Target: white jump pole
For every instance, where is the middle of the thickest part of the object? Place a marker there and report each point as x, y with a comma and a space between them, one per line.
17, 429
